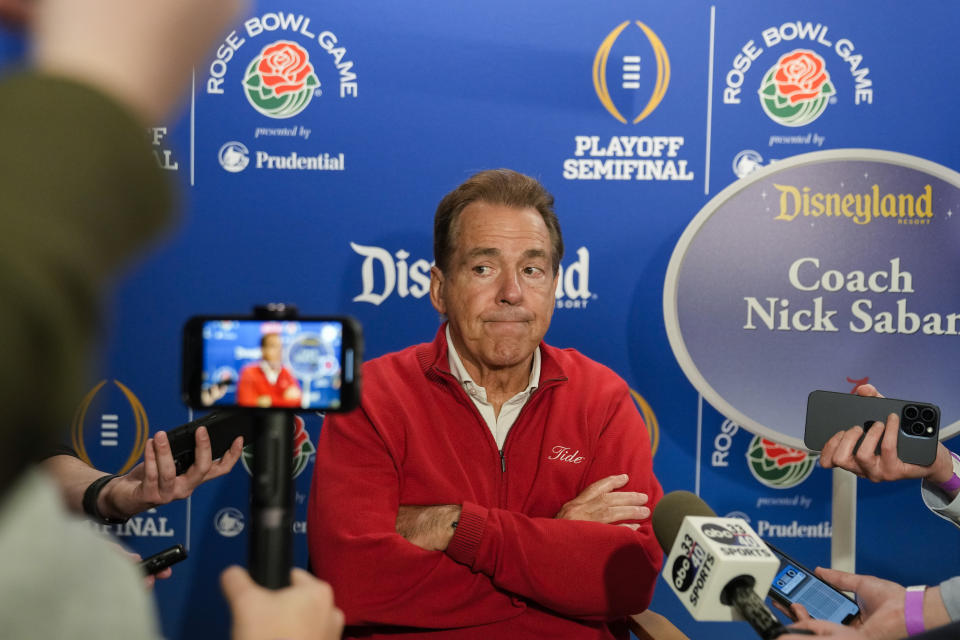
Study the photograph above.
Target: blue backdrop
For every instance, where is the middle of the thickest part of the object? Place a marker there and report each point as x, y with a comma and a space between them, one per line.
318, 187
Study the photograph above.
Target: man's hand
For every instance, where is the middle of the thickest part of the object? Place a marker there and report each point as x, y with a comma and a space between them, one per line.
885, 466
601, 502
302, 611
430, 527
155, 481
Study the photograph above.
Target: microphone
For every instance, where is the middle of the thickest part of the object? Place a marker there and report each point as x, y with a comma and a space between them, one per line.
719, 568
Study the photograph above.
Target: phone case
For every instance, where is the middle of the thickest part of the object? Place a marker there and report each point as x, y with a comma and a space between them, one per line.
829, 412
223, 428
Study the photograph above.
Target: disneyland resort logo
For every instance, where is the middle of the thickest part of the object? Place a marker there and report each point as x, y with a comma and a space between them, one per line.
631, 75
384, 274
293, 64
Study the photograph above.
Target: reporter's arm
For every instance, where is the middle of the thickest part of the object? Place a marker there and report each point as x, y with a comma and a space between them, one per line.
151, 483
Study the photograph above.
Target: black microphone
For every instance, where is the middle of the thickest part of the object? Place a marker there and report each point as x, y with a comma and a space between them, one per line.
719, 567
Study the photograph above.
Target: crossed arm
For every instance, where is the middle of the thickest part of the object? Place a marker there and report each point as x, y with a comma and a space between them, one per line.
577, 563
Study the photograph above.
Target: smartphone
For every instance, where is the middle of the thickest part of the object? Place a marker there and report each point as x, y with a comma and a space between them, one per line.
796, 583
223, 427
300, 363
829, 412
160, 561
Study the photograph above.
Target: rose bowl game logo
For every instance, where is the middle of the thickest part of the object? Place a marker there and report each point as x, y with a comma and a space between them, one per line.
795, 91
778, 466
280, 82
302, 450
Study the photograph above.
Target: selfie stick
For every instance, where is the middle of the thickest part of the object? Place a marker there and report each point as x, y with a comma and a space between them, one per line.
271, 500
271, 485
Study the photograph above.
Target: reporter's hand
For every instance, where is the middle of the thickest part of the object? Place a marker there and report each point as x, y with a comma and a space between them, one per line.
115, 45
303, 611
601, 502
148, 580
842, 451
155, 482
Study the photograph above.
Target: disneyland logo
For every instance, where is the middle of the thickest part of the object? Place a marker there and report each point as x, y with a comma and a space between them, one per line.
384, 273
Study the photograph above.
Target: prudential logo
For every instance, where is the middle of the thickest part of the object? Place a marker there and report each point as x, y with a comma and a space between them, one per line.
234, 156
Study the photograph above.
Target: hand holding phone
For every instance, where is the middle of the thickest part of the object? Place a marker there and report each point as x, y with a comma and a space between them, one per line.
156, 563
794, 583
915, 427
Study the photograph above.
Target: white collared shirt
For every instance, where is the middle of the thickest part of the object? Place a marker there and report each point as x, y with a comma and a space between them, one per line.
499, 424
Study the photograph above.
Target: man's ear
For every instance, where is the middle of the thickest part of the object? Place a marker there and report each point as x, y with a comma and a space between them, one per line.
436, 289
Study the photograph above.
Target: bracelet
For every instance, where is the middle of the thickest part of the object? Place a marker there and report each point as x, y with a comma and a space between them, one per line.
913, 609
954, 482
92, 495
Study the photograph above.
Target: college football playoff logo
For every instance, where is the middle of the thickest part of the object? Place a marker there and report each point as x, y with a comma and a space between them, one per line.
796, 90
280, 82
778, 466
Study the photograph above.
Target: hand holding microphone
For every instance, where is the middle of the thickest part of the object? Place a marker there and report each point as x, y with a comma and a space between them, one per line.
718, 567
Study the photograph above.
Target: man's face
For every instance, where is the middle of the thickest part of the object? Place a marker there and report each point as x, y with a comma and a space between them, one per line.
273, 351
498, 293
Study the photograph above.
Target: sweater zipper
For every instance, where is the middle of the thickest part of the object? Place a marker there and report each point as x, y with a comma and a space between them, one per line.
503, 462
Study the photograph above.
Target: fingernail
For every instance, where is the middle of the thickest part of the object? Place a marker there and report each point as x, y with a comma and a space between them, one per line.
644, 512
624, 476
160, 436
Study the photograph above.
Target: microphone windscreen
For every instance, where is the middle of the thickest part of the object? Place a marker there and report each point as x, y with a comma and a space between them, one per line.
670, 512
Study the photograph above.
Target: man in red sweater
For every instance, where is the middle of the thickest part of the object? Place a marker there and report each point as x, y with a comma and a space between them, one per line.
268, 383
490, 485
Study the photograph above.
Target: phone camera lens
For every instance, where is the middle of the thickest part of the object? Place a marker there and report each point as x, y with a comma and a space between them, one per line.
910, 412
928, 414
918, 428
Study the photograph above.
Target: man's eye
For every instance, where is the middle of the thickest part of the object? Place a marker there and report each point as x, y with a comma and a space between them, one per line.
532, 271
481, 269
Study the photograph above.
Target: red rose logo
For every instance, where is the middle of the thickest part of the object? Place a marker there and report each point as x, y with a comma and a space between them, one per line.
800, 75
781, 455
300, 436
284, 67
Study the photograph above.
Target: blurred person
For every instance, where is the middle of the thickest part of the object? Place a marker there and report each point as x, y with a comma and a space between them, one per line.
95, 83
268, 383
479, 490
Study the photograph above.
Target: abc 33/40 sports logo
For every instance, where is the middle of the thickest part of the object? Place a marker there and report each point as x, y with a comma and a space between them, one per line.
641, 68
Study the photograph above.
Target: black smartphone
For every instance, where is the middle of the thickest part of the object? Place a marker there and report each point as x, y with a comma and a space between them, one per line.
829, 412
300, 363
223, 427
160, 561
796, 583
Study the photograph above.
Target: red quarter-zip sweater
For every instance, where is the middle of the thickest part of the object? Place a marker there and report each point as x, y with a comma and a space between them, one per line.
511, 570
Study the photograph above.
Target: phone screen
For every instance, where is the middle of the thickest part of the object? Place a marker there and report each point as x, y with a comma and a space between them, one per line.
291, 364
794, 583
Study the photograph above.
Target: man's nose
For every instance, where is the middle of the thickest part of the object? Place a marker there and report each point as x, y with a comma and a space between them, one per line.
510, 289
